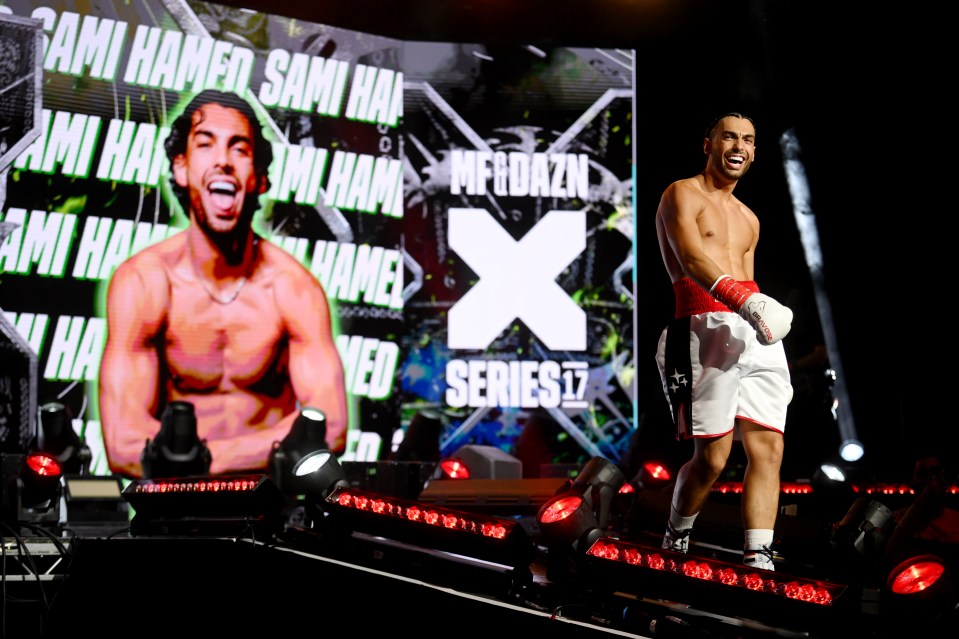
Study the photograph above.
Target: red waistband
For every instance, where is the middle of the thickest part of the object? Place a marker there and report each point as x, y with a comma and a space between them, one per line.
692, 299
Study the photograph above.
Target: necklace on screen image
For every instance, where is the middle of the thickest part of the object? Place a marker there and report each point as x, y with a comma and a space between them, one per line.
229, 298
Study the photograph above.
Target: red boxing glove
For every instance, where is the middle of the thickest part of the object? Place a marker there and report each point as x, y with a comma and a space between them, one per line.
771, 319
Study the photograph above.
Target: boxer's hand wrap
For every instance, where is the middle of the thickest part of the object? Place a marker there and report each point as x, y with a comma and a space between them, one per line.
771, 319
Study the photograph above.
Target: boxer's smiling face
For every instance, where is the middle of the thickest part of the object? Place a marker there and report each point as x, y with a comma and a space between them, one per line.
732, 146
217, 168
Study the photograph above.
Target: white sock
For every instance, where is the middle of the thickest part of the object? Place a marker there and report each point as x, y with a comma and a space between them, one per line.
757, 548
758, 537
680, 523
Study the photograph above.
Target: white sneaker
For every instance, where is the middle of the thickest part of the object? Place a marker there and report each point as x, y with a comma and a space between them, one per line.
676, 540
761, 558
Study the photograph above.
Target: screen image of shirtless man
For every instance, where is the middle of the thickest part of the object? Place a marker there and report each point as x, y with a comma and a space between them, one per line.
216, 315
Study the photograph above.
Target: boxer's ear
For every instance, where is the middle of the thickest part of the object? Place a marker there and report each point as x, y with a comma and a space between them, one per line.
179, 169
263, 184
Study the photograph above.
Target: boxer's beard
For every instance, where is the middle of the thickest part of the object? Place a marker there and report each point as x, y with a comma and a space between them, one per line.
232, 243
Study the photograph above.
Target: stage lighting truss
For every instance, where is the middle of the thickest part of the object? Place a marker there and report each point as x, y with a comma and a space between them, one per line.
608, 551
491, 539
205, 505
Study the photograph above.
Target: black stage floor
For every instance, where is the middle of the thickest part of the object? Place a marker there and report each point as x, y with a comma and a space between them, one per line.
324, 572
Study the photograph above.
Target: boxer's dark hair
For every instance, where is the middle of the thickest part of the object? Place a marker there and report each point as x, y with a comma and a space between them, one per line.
715, 121
175, 143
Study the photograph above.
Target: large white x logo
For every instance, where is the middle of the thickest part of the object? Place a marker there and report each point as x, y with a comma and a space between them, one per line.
517, 279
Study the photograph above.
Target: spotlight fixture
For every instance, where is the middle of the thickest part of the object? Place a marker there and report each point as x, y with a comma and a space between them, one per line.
653, 475
484, 537
568, 521
57, 438
598, 483
860, 536
480, 462
920, 596
319, 473
453, 468
851, 450
831, 472
577, 515
916, 575
31, 489
307, 435
177, 450
833, 490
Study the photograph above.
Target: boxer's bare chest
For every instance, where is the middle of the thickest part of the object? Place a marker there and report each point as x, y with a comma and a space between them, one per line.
212, 346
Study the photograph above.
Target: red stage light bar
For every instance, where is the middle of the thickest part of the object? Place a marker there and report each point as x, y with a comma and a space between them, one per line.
735, 575
493, 539
802, 488
205, 505
895, 489
786, 487
729, 588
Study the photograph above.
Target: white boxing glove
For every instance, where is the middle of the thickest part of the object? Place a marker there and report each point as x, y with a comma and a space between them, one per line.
771, 319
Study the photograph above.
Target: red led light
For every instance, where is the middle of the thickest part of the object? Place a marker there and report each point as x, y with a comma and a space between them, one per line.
657, 471
788, 488
560, 508
728, 576
454, 469
389, 507
916, 575
196, 486
606, 551
44, 465
753, 581
618, 550
496, 531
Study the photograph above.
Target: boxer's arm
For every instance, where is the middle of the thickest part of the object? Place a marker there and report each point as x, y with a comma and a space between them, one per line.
771, 319
129, 370
679, 210
316, 369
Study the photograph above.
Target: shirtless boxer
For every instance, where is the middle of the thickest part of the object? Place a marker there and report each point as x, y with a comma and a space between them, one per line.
215, 315
722, 364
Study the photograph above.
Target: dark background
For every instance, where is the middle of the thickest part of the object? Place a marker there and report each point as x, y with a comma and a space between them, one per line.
853, 82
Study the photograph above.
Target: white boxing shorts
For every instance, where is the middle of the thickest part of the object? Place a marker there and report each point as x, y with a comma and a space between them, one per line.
714, 371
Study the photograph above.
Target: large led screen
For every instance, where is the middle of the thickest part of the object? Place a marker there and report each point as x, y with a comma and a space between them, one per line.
466, 209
